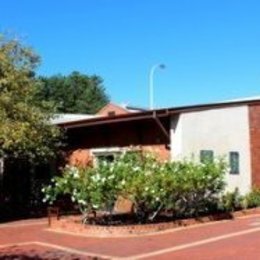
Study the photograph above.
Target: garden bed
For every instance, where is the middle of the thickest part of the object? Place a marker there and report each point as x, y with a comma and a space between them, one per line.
74, 224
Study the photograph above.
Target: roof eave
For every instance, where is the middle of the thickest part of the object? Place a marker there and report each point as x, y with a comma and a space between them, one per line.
164, 112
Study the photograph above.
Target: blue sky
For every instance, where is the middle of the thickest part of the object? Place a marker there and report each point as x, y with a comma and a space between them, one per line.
211, 47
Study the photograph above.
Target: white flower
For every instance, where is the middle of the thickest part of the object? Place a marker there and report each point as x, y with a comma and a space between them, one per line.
162, 167
73, 198
123, 182
137, 168
121, 156
76, 175
157, 198
111, 168
73, 171
146, 188
95, 206
83, 202
104, 163
96, 177
147, 173
111, 177
119, 163
43, 189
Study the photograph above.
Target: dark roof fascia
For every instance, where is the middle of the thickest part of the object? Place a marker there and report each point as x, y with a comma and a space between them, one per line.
114, 119
194, 108
141, 109
164, 112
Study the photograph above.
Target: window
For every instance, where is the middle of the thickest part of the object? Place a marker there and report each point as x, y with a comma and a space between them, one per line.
234, 162
111, 113
105, 157
206, 156
109, 154
105, 154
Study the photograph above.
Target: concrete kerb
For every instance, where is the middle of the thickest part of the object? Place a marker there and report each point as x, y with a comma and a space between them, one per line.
248, 214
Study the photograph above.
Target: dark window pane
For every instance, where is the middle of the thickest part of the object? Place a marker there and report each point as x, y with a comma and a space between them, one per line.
111, 113
206, 156
106, 158
234, 162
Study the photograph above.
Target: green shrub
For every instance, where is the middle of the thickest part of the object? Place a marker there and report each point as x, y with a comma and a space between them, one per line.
252, 199
231, 201
185, 188
89, 188
197, 186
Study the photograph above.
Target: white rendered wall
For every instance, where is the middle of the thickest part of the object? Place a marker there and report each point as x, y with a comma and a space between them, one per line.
221, 130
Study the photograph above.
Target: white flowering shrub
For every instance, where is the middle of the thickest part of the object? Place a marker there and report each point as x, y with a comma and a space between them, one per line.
196, 187
184, 188
67, 184
89, 188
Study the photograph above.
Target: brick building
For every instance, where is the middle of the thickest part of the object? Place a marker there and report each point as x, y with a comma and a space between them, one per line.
230, 129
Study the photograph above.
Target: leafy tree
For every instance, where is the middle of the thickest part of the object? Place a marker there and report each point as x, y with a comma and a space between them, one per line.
75, 93
25, 131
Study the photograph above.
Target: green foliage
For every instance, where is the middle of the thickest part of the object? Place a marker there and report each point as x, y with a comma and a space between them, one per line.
90, 188
142, 184
231, 201
184, 188
197, 186
24, 123
75, 93
252, 199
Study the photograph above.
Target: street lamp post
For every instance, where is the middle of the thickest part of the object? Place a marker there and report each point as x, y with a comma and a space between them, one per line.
151, 88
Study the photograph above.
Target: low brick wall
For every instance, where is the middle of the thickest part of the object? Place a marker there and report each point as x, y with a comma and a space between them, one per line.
73, 224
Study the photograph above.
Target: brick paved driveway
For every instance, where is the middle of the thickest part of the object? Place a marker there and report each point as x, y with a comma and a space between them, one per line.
231, 239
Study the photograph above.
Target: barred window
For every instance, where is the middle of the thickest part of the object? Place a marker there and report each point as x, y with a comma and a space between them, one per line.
234, 162
206, 156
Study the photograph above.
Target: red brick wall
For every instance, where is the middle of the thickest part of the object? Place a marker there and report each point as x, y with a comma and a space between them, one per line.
160, 151
82, 157
142, 134
112, 108
254, 119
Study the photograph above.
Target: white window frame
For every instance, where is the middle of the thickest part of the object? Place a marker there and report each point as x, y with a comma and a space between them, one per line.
110, 151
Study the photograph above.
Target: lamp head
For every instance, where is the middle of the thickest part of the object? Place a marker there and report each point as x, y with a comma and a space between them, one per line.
162, 66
